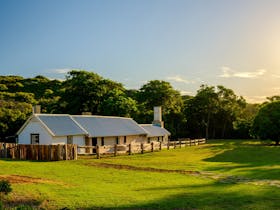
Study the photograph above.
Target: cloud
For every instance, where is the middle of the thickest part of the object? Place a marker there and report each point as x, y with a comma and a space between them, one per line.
178, 78
60, 71
276, 75
184, 92
255, 99
230, 73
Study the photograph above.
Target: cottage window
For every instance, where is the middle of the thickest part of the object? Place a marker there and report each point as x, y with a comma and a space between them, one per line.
69, 139
124, 140
34, 138
102, 141
117, 140
94, 141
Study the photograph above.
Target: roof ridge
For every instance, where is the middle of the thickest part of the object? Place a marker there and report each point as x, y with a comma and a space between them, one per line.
46, 114
102, 116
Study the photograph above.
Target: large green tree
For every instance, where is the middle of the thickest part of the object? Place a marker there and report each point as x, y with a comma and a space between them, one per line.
88, 92
266, 124
160, 93
14, 110
212, 111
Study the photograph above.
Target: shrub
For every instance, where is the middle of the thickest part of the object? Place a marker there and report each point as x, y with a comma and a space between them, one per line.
5, 187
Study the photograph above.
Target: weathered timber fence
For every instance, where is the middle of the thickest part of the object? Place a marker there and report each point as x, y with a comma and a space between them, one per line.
130, 149
39, 152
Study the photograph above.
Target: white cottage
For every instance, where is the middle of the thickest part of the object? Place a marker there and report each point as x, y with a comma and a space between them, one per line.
89, 130
83, 130
51, 129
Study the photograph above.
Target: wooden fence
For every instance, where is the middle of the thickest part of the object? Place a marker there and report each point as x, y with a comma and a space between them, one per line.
130, 149
70, 151
38, 152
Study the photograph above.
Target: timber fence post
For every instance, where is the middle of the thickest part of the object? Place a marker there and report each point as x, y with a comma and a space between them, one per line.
75, 151
159, 145
129, 149
97, 152
142, 148
152, 147
65, 152
168, 145
115, 150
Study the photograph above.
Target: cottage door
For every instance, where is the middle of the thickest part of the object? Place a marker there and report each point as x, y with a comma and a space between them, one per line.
94, 143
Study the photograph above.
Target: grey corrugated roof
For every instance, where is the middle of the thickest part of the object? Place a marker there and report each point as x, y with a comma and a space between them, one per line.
155, 130
61, 125
101, 126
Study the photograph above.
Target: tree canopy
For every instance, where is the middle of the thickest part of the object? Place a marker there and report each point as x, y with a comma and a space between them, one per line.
214, 112
266, 124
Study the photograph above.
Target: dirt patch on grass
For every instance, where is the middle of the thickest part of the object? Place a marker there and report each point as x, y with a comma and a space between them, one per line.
18, 179
149, 169
221, 178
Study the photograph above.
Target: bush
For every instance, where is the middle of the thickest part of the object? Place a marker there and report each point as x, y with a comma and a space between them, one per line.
5, 187
24, 207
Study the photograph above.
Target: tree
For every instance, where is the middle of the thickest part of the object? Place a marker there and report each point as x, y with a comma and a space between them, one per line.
230, 107
243, 124
266, 124
14, 110
88, 92
200, 109
213, 110
160, 93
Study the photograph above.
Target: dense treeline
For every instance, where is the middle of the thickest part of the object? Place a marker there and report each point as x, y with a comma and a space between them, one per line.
214, 112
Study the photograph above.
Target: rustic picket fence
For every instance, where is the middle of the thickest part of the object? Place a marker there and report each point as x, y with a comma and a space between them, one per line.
38, 152
123, 149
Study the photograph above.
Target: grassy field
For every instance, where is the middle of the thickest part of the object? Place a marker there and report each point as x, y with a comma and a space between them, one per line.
224, 174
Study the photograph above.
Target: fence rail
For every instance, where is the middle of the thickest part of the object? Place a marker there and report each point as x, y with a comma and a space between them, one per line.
38, 152
130, 149
70, 151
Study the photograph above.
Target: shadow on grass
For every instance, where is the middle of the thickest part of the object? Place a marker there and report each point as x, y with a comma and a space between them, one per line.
256, 160
22, 203
213, 196
255, 156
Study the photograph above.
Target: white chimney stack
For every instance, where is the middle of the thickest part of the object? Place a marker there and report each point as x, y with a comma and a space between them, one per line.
158, 116
36, 109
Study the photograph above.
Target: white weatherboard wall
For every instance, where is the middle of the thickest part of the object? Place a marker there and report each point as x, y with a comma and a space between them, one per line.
80, 141
136, 139
129, 139
34, 127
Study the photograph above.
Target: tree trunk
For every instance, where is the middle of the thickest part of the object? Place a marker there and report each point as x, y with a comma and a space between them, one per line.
224, 130
207, 126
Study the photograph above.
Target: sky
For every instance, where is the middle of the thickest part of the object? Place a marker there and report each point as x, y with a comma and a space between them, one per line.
235, 43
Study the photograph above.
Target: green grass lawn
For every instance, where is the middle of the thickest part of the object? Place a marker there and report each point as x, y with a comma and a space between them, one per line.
224, 174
